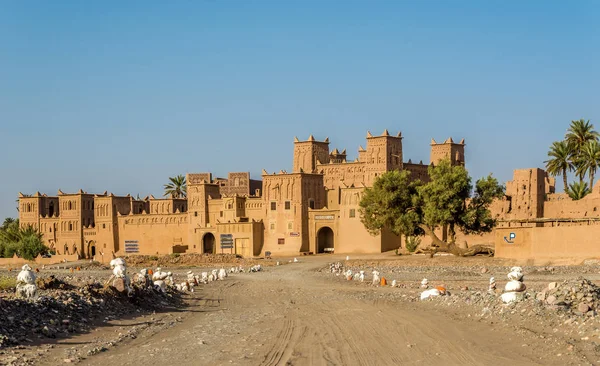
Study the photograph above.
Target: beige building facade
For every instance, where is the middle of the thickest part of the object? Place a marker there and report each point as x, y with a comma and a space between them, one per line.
313, 208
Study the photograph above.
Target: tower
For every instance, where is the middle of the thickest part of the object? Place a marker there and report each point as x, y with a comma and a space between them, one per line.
448, 150
309, 153
384, 153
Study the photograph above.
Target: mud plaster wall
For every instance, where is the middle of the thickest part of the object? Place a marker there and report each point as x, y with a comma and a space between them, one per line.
576, 242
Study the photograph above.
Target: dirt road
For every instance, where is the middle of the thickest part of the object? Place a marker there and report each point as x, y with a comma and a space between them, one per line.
292, 315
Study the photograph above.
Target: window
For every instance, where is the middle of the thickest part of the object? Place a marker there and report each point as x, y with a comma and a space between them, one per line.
290, 225
229, 206
352, 212
287, 205
311, 203
273, 206
281, 241
104, 226
70, 227
196, 213
69, 206
221, 213
272, 226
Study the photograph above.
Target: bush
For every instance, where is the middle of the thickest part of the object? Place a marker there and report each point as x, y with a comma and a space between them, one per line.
8, 283
412, 242
26, 242
174, 255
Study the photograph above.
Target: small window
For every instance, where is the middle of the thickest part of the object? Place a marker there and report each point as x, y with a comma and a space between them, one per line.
352, 212
311, 203
287, 205
290, 225
229, 206
272, 226
273, 206
221, 213
196, 213
70, 227
105, 245
104, 227
281, 241
51, 227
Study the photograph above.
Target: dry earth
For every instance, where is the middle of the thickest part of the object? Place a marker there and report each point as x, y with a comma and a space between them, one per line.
299, 314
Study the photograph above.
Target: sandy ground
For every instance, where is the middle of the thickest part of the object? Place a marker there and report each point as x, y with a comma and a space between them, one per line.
295, 314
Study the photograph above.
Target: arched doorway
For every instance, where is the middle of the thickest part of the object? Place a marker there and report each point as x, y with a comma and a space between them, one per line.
91, 249
208, 243
51, 209
325, 240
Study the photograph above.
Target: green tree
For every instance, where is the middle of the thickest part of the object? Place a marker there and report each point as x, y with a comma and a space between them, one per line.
26, 242
393, 203
177, 187
8, 221
444, 202
578, 190
448, 203
589, 160
578, 134
560, 154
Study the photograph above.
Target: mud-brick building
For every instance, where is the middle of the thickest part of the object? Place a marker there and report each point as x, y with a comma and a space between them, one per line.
312, 208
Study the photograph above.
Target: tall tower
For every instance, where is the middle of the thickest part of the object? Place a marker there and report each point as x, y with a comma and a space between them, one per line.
384, 153
307, 154
448, 150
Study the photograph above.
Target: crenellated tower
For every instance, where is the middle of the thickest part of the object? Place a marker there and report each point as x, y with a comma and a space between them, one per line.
384, 153
309, 153
455, 152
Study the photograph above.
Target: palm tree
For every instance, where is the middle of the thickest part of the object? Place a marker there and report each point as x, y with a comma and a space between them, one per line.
589, 160
578, 190
177, 188
579, 133
559, 162
7, 221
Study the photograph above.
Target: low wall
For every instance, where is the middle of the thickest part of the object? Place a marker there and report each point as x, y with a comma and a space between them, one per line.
16, 261
548, 243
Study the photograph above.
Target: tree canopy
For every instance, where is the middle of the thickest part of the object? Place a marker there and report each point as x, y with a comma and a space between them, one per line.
26, 241
448, 200
579, 151
392, 203
177, 187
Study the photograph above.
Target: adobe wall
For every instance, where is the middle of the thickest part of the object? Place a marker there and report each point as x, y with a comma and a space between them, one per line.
342, 174
548, 243
16, 261
156, 234
252, 231
418, 171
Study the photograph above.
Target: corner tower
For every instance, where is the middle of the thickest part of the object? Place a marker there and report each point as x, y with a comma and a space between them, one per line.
448, 150
307, 154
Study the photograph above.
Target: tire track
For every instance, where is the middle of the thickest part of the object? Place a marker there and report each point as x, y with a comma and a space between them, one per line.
282, 345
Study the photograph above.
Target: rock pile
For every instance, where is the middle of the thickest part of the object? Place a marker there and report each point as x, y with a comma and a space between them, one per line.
59, 313
26, 286
580, 296
515, 288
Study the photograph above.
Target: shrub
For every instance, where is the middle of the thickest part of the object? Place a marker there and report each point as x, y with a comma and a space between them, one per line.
412, 242
7, 283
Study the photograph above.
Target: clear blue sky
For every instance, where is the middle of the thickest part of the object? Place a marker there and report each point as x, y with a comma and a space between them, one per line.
118, 96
